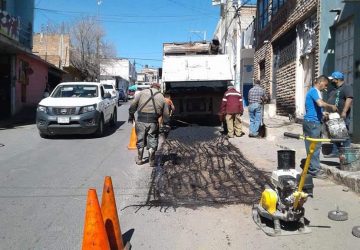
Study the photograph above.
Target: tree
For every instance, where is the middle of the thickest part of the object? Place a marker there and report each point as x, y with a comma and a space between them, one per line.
88, 46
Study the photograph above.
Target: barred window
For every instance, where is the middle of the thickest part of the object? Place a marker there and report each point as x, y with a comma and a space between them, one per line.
262, 69
2, 4
276, 5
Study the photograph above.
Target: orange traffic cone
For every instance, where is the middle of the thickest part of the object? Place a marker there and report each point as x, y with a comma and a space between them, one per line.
110, 216
94, 230
133, 138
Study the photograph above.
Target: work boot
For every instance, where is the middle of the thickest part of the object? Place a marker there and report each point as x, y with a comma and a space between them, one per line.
152, 157
139, 157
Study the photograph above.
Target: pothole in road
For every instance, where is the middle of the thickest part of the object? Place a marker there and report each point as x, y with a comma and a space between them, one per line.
198, 171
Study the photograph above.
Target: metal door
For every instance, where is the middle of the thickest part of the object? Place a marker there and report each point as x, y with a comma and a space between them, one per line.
344, 53
344, 50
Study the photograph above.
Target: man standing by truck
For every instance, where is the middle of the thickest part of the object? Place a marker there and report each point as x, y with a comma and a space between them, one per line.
149, 105
256, 98
232, 109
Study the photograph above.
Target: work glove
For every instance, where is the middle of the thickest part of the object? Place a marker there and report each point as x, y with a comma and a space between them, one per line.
131, 118
165, 128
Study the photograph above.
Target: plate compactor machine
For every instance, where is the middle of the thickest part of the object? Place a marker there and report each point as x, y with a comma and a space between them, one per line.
281, 208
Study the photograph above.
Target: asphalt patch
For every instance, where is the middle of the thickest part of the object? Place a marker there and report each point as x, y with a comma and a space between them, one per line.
202, 169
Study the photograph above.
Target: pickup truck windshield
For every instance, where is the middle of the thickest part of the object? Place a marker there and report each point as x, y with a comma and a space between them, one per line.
87, 91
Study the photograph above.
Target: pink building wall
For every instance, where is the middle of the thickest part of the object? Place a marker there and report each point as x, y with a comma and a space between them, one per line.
36, 84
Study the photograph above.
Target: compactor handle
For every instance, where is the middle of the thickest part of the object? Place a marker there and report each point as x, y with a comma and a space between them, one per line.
338, 140
296, 136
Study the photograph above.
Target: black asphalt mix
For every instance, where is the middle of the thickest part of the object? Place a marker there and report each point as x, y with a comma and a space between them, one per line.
198, 166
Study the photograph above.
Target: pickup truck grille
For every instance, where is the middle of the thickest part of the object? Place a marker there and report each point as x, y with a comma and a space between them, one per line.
64, 111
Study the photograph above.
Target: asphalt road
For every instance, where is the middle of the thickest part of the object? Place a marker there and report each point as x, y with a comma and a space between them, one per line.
44, 182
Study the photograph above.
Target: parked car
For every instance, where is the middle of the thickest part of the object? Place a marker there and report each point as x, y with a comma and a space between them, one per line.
76, 108
111, 89
131, 94
122, 96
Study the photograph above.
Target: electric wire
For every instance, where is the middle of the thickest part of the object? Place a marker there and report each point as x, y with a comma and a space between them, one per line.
224, 37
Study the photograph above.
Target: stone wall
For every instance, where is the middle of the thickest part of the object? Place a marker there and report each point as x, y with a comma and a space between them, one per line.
52, 48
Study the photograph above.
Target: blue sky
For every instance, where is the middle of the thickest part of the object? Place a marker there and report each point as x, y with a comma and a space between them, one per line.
137, 28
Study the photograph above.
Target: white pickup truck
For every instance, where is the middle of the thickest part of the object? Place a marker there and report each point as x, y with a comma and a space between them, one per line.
76, 108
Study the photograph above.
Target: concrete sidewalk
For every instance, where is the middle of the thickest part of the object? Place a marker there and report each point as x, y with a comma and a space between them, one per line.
263, 152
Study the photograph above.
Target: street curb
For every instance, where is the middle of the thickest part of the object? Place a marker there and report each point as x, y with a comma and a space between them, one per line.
349, 179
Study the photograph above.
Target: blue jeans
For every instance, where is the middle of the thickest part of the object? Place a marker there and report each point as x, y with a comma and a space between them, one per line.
255, 113
313, 129
347, 143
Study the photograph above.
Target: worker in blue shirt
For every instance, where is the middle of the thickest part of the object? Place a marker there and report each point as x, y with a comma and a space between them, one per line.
314, 106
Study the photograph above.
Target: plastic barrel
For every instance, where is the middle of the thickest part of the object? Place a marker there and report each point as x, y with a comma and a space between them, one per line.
286, 159
349, 158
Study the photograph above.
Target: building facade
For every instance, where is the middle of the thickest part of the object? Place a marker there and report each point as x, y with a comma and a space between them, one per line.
232, 34
286, 54
53, 48
297, 40
23, 75
120, 71
148, 75
338, 40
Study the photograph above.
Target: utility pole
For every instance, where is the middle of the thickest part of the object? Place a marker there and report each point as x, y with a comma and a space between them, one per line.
238, 84
98, 43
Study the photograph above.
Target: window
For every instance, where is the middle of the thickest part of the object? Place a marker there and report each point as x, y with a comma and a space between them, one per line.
2, 4
75, 91
276, 5
262, 69
263, 13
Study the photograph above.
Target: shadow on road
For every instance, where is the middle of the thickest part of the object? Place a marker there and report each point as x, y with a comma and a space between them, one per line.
203, 170
25, 117
108, 131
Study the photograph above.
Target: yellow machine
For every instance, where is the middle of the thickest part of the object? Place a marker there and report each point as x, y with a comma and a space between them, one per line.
269, 200
280, 210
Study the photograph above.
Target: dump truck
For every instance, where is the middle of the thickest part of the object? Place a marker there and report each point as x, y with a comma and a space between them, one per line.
196, 80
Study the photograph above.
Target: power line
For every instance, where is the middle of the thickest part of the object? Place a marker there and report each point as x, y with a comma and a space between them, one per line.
143, 59
119, 16
121, 19
185, 6
236, 15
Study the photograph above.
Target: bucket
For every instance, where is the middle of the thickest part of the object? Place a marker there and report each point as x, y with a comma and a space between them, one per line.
286, 159
326, 148
349, 158
337, 128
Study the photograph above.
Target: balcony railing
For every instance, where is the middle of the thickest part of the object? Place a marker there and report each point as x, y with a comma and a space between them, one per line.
276, 21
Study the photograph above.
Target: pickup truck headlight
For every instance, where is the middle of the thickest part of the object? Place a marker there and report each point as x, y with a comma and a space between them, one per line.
87, 109
42, 109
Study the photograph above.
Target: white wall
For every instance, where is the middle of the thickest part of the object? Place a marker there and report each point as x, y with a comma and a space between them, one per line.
118, 67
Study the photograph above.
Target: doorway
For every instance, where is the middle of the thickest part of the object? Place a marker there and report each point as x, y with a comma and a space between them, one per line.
344, 54
5, 87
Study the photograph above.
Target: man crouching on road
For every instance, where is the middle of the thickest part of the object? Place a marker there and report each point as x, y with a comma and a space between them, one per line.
150, 105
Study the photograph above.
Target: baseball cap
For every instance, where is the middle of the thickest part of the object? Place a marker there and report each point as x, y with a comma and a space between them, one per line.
336, 75
230, 85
